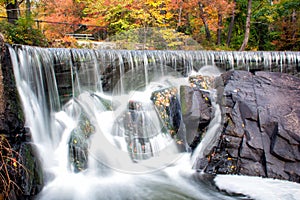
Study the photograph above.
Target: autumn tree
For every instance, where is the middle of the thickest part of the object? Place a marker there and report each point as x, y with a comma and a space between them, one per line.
115, 14
245, 24
204, 20
183, 15
231, 24
178, 7
62, 17
12, 9
224, 9
286, 29
120, 15
271, 23
205, 16
156, 13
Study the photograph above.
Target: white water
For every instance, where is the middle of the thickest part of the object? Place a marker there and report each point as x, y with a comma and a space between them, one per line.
213, 131
111, 173
259, 188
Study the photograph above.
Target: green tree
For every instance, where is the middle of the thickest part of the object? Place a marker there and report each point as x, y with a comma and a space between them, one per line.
23, 31
12, 8
247, 29
274, 25
231, 23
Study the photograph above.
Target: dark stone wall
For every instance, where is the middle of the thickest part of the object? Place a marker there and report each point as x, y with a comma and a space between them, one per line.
11, 114
26, 171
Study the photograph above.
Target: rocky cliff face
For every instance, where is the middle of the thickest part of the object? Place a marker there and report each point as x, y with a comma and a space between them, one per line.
260, 133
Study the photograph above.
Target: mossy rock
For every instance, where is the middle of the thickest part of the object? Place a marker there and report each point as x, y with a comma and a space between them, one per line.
201, 82
79, 143
168, 108
31, 173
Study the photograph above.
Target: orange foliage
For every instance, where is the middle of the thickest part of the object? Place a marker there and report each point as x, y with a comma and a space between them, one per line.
289, 37
66, 42
67, 14
211, 10
119, 15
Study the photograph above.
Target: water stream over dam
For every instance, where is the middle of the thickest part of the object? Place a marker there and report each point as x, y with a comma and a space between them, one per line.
93, 119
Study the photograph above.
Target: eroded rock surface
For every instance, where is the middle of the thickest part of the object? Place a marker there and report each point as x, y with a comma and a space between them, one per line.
261, 132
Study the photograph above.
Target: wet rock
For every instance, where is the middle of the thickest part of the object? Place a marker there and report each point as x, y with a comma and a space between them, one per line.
167, 105
221, 163
260, 126
11, 113
251, 168
201, 82
106, 102
138, 125
25, 168
79, 143
196, 113
31, 172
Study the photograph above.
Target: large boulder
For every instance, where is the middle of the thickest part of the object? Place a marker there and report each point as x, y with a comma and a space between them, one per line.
196, 113
260, 134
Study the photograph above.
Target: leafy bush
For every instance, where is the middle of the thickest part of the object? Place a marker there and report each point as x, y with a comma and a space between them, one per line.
23, 32
65, 42
154, 39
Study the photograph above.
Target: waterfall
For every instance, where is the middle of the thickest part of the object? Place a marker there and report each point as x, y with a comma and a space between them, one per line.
213, 131
94, 118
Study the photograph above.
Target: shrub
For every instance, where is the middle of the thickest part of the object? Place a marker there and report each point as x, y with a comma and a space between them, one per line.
9, 169
23, 32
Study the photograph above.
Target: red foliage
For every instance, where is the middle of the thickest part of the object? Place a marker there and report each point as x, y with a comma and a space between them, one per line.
67, 14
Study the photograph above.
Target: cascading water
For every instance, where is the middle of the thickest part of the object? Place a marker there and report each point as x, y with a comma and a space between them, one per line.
94, 118
213, 130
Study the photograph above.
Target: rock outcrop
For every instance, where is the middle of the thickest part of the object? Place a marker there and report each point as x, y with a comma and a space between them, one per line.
196, 113
260, 134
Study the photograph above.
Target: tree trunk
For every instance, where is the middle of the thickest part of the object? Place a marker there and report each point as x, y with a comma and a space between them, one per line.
179, 14
231, 24
207, 32
247, 31
294, 28
219, 31
28, 8
12, 11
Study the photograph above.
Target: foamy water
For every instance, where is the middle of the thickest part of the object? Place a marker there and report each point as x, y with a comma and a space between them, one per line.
259, 188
